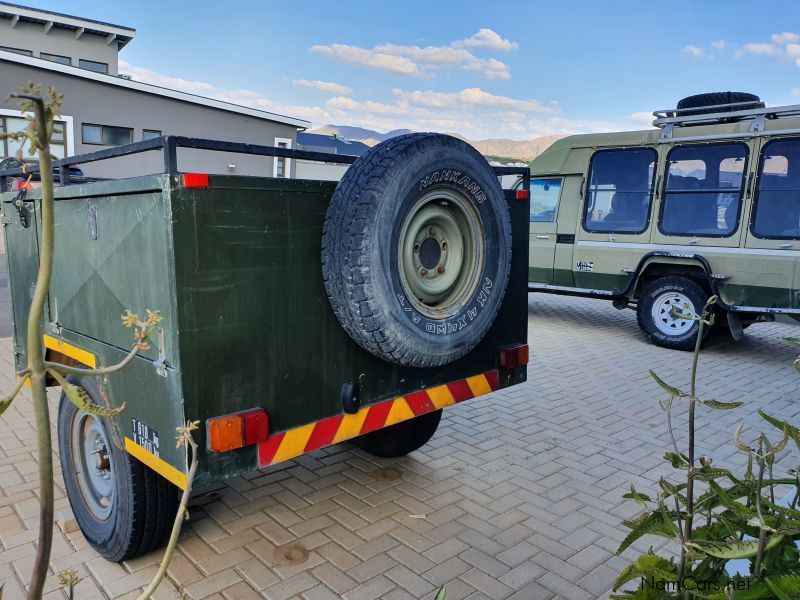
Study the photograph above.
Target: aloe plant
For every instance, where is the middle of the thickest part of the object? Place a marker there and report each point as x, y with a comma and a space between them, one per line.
41, 118
715, 517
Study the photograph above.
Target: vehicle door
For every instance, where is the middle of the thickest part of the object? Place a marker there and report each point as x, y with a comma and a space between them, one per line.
614, 232
772, 240
545, 196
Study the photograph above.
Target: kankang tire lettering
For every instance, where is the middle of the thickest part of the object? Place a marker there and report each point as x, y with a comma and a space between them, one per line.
460, 322
471, 187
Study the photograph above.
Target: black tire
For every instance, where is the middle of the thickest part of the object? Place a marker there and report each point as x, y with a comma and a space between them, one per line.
401, 438
714, 98
369, 271
658, 297
143, 506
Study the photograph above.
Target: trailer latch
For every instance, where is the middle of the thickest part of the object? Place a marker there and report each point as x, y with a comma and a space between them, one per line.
161, 362
19, 204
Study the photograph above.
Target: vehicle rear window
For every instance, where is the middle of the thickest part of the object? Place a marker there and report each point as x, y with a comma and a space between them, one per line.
544, 199
703, 190
777, 202
620, 190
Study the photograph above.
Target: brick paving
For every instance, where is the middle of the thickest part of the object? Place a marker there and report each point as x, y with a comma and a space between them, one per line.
517, 495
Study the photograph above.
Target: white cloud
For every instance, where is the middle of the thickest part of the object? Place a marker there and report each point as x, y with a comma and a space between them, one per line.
719, 44
640, 119
785, 37
420, 61
488, 40
468, 97
368, 58
759, 49
324, 86
696, 52
794, 91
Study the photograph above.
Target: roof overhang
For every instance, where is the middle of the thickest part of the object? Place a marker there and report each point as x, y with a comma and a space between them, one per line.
155, 90
48, 19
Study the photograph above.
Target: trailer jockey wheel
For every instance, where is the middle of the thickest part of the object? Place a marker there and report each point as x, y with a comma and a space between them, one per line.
123, 508
416, 249
401, 438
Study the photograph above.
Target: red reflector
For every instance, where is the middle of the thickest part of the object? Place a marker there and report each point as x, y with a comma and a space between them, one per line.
256, 426
23, 185
196, 180
514, 356
522, 194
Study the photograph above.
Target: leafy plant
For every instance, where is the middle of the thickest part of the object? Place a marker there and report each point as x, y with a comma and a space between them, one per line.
41, 118
715, 517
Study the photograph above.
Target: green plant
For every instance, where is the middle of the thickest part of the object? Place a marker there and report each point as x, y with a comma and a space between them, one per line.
715, 517
41, 117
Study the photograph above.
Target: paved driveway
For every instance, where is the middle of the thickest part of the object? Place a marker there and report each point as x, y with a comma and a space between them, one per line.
517, 495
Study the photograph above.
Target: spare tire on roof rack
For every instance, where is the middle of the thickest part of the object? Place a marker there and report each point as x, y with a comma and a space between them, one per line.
702, 102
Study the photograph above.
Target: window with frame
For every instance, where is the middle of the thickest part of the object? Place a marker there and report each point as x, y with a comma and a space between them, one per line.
56, 58
93, 65
777, 199
620, 190
10, 148
544, 199
703, 190
106, 135
280, 162
149, 134
17, 50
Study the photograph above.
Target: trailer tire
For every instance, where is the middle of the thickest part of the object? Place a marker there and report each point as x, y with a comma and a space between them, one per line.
653, 312
123, 508
401, 438
416, 249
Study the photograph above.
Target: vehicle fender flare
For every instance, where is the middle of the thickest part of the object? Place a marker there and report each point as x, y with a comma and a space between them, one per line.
675, 258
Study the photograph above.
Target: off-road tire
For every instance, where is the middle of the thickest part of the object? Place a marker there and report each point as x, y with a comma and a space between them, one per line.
401, 438
144, 505
695, 293
714, 98
362, 264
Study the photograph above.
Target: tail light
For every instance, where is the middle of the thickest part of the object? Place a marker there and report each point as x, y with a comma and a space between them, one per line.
237, 430
522, 194
514, 356
196, 180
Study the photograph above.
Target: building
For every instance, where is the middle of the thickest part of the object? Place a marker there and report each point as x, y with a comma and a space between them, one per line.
101, 109
332, 144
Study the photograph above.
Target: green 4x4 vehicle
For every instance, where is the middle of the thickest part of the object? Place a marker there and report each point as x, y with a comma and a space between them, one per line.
706, 203
297, 314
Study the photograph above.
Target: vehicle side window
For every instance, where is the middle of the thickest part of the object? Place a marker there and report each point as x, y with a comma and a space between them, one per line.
703, 190
777, 201
544, 199
620, 190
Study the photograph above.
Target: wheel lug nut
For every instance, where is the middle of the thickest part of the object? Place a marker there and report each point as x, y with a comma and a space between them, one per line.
444, 245
423, 271
440, 269
416, 247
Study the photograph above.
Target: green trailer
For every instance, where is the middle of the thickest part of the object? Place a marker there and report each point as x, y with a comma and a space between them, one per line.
296, 314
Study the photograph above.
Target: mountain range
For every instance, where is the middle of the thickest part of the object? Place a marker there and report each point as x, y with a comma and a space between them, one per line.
525, 150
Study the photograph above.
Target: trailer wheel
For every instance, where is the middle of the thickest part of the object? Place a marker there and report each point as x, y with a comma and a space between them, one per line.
123, 508
654, 312
401, 438
416, 249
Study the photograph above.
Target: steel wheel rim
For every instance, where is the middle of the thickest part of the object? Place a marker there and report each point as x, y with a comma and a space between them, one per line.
440, 253
93, 464
662, 315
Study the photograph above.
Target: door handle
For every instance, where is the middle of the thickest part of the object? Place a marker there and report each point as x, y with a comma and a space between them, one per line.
785, 245
542, 237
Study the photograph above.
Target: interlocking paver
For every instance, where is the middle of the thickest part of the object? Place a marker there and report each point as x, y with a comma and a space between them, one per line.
516, 496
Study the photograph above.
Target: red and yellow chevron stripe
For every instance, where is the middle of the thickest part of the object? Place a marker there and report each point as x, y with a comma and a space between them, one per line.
300, 440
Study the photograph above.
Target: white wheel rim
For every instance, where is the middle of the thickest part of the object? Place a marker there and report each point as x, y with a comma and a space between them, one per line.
665, 320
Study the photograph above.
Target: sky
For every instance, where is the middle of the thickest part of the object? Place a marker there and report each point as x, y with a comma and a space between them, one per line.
515, 70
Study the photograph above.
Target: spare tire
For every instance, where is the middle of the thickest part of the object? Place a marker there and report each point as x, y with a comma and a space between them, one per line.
416, 249
715, 98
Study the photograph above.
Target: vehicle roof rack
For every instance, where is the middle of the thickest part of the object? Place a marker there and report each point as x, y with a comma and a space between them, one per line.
722, 113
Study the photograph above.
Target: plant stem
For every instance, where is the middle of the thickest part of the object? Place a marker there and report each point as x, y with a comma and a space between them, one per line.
762, 533
687, 523
36, 363
176, 527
